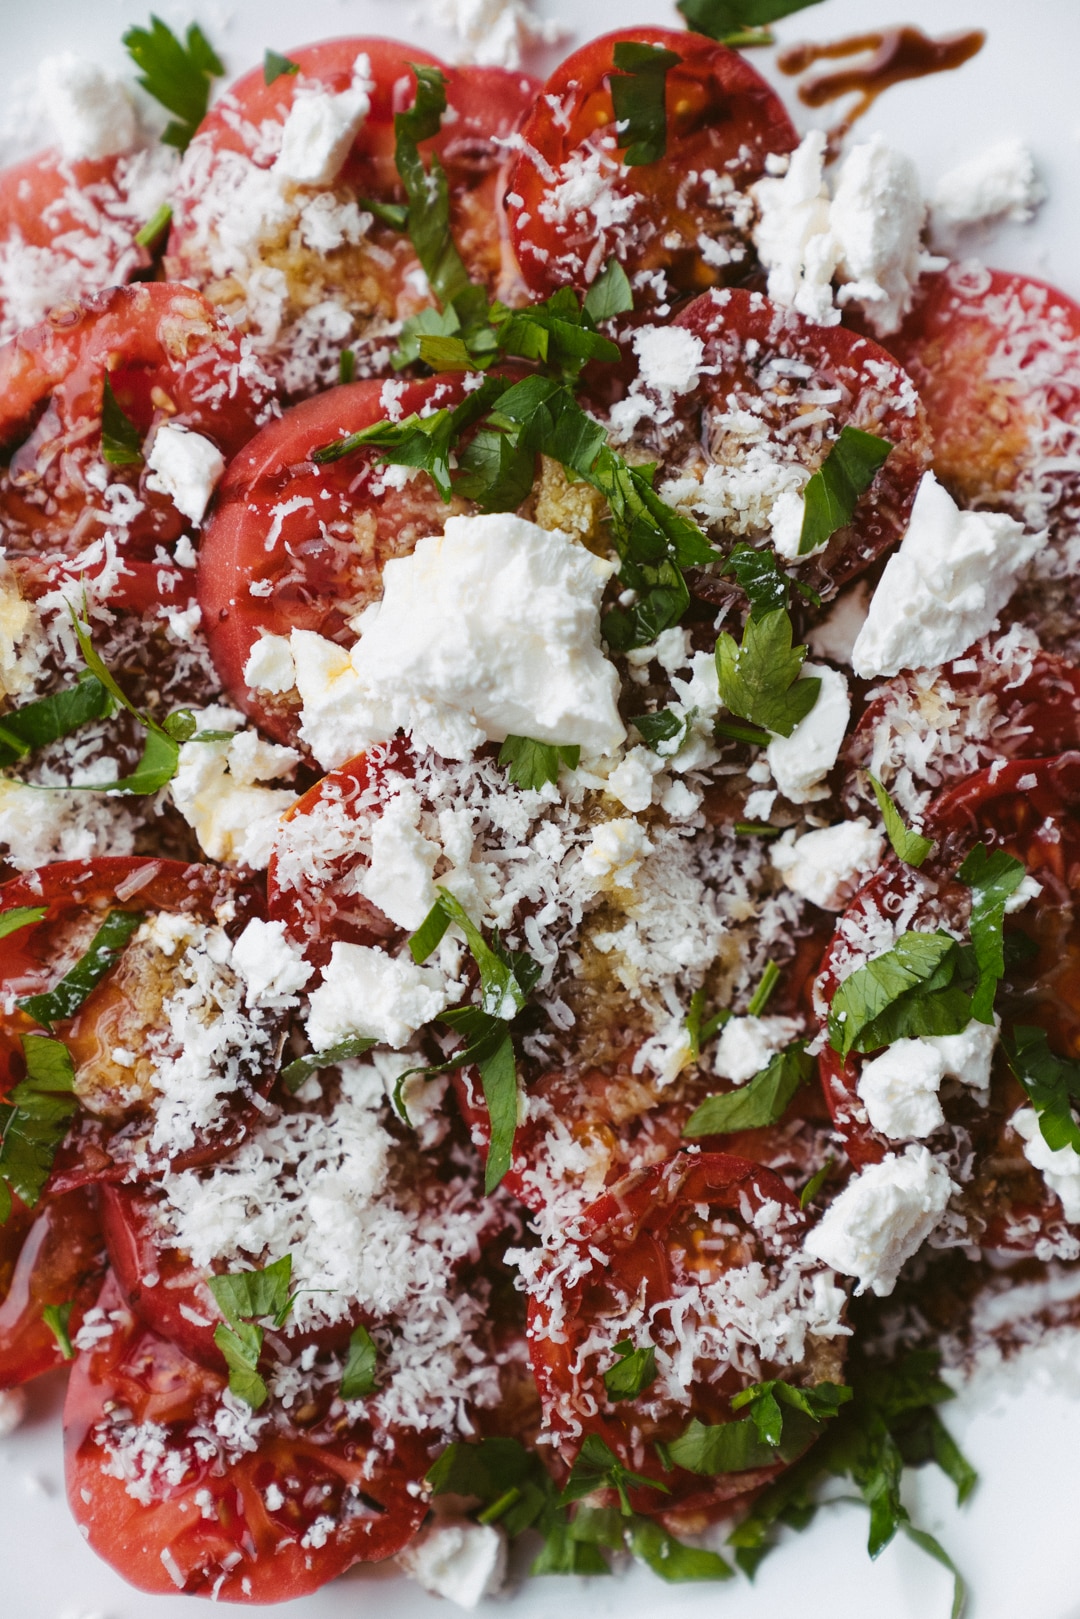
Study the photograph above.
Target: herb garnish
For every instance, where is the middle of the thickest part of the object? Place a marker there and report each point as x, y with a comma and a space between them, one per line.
992, 878
531, 764
276, 66
596, 1467
638, 96
161, 751
738, 22
833, 492
104, 951
911, 847
155, 226
761, 1101
244, 1297
295, 1073
178, 75
358, 1376
758, 573
121, 441
905, 992
57, 1317
21, 916
34, 1120
759, 679
45, 720
701, 1029
1052, 1084
632, 1372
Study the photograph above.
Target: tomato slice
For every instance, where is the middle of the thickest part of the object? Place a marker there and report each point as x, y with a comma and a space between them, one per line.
53, 1255
654, 1259
112, 1135
1030, 809
677, 225
165, 1496
168, 357
308, 270
295, 545
805, 383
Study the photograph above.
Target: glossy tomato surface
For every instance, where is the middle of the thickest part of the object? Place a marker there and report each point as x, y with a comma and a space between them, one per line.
52, 1255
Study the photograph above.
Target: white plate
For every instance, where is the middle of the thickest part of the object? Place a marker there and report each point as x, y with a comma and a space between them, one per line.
1021, 1426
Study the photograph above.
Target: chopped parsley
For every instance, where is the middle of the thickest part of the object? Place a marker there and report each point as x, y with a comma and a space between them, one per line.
663, 732
833, 492
21, 916
992, 878
57, 1318
276, 66
34, 1119
638, 88
45, 720
244, 1297
758, 574
632, 1372
815, 1183
531, 764
1052, 1084
346, 366
297, 1072
738, 22
596, 1467
761, 1101
911, 847
105, 950
701, 1029
762, 995
426, 188
358, 1378
907, 991
176, 74
161, 750
155, 227
121, 441
759, 679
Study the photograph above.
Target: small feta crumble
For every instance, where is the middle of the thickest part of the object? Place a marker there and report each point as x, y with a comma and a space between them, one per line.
216, 790
22, 642
999, 183
399, 878
666, 1053
12, 1410
495, 33
669, 358
748, 1044
786, 519
631, 782
834, 636
270, 665
271, 965
321, 127
615, 852
365, 991
800, 762
826, 866
900, 1088
1059, 1168
882, 1218
91, 113
1027, 889
945, 586
792, 233
461, 1561
488, 630
186, 467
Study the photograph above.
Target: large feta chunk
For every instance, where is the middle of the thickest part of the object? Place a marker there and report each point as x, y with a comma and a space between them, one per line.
366, 991
1059, 1167
270, 666
792, 233
216, 789
800, 762
91, 112
876, 221
881, 1218
826, 866
488, 630
748, 1044
900, 1088
186, 467
272, 966
999, 183
944, 587
321, 127
459, 1560
399, 878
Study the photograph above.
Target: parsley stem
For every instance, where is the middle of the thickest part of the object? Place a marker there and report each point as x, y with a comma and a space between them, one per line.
742, 733
756, 829
761, 996
495, 1511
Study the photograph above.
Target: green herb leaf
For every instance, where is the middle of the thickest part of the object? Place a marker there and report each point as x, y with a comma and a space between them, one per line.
155, 226
701, 1029
672, 1560
346, 366
276, 66
992, 878
178, 75
34, 1120
833, 492
358, 1378
241, 1347
761, 1101
21, 916
161, 753
296, 1073
426, 188
722, 1447
762, 995
532, 765
57, 1317
933, 1548
896, 992
820, 1402
249, 1295
664, 733
911, 847
638, 96
738, 22
498, 1077
815, 1183
759, 574
598, 1468
420, 441
121, 441
609, 295
633, 1371
65, 997
759, 680
1052, 1084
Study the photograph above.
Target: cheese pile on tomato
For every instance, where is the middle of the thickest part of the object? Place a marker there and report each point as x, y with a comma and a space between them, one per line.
425, 906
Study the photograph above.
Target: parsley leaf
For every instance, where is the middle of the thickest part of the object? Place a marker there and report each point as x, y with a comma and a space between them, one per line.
57, 1317
242, 1297
21, 916
609, 295
175, 74
911, 847
296, 1073
761, 1101
762, 995
815, 1183
736, 1447
905, 992
668, 1557
161, 751
820, 1402
419, 441
34, 1120
1052, 1084
358, 1377
738, 22
596, 1467
36, 724
992, 878
833, 492
121, 441
105, 950
276, 66
427, 190
346, 366
531, 764
759, 680
664, 732
638, 96
633, 1372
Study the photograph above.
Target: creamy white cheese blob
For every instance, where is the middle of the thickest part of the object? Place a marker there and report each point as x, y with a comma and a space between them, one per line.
826, 866
399, 877
669, 358
321, 127
792, 233
998, 183
488, 630
1059, 1167
365, 991
271, 965
457, 1559
217, 789
748, 1044
186, 467
881, 1218
91, 113
945, 586
800, 762
900, 1088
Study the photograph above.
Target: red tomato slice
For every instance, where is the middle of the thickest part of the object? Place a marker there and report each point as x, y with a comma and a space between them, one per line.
1031, 809
54, 1255
573, 204
168, 357
295, 545
308, 283
161, 1496
764, 360
108, 1139
645, 1250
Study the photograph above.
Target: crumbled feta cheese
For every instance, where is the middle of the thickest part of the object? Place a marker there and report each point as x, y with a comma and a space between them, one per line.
215, 790
881, 1218
12, 1410
631, 782
400, 876
615, 852
186, 467
786, 519
669, 358
800, 762
1000, 183
748, 1044
944, 587
900, 1088
321, 127
666, 1053
1060, 1167
834, 636
792, 233
462, 1561
827, 866
272, 967
365, 991
494, 33
1028, 888
91, 112
270, 665
488, 630
22, 643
